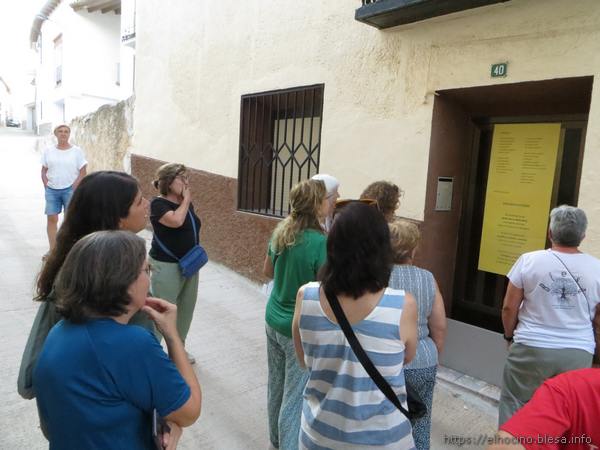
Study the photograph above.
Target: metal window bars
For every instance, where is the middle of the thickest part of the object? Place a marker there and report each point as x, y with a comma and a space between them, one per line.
280, 143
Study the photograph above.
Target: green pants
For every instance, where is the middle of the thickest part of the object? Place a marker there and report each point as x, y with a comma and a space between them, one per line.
286, 384
168, 283
526, 368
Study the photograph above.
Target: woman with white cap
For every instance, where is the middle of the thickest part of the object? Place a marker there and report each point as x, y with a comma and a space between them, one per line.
332, 185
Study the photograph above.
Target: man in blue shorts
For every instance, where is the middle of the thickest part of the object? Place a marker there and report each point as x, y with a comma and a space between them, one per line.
63, 167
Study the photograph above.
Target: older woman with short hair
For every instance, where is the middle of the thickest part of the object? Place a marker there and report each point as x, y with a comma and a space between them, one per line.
98, 380
548, 311
421, 372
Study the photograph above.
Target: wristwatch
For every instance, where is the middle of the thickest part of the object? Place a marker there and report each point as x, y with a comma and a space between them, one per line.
507, 338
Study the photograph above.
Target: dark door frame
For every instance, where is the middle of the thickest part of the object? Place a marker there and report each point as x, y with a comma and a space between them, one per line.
477, 296
452, 134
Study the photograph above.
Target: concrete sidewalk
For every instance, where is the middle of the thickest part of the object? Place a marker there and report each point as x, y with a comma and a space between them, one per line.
227, 335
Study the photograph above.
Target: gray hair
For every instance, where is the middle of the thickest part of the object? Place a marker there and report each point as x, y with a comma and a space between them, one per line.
62, 125
97, 273
567, 225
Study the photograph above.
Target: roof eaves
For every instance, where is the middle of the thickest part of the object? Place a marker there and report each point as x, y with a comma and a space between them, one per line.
39, 19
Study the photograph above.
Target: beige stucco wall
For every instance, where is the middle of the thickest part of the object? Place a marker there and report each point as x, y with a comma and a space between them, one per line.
195, 61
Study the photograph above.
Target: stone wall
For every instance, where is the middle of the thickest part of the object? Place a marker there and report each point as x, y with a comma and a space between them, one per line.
104, 135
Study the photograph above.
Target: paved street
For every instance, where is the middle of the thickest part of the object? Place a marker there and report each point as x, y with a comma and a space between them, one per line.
227, 335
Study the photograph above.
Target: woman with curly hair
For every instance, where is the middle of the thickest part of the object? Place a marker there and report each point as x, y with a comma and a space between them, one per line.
387, 195
295, 254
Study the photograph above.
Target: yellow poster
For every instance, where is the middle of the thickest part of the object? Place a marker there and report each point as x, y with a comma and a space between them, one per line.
519, 191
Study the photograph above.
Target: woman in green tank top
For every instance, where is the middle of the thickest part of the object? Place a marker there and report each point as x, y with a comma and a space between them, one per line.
296, 252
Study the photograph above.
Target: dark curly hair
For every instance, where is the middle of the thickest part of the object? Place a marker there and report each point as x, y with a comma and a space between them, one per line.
97, 274
100, 201
359, 253
387, 195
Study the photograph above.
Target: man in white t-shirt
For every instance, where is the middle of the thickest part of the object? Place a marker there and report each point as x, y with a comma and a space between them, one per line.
549, 310
63, 167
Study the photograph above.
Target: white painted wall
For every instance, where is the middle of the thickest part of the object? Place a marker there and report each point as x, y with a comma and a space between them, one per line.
91, 52
193, 63
4, 104
128, 19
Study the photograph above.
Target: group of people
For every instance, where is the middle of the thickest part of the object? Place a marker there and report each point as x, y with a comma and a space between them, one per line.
90, 371
319, 393
334, 263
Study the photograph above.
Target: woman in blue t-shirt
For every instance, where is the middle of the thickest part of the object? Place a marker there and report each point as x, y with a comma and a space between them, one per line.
104, 200
97, 380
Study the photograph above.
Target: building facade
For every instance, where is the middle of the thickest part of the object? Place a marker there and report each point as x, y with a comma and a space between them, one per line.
82, 64
255, 96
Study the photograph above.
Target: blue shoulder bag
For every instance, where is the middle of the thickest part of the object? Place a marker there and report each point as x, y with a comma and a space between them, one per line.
192, 261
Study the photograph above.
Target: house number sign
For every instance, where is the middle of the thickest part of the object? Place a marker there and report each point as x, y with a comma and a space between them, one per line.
499, 70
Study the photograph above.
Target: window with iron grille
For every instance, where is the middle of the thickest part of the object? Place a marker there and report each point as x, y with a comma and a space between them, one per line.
280, 145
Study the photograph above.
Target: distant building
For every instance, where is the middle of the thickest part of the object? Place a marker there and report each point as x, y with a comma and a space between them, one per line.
82, 63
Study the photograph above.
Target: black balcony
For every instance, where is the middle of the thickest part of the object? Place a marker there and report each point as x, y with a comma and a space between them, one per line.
391, 13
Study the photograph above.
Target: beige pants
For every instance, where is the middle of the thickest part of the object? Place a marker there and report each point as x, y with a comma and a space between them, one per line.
526, 368
168, 283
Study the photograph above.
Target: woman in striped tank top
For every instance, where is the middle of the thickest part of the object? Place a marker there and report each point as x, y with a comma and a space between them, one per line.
342, 407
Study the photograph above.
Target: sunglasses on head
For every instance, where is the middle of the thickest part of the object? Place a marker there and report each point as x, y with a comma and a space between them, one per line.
341, 204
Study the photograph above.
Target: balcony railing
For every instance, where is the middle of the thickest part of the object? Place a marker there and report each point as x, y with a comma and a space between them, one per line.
391, 13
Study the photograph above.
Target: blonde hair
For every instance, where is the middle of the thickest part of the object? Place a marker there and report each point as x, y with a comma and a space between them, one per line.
405, 237
165, 176
305, 200
61, 126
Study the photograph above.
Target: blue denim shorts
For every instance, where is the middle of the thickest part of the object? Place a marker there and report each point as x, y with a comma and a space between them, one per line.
57, 200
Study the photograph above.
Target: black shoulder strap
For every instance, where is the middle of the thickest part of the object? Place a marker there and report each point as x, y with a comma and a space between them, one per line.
576, 282
362, 356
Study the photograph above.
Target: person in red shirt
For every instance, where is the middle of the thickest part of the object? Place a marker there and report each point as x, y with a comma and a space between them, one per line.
562, 414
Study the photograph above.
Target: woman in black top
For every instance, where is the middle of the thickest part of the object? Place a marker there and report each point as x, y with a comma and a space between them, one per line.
171, 215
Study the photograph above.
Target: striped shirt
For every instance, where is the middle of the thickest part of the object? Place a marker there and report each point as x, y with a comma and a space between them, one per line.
342, 407
420, 283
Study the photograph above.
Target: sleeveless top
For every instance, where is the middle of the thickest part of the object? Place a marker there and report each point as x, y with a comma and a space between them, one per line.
342, 407
420, 283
